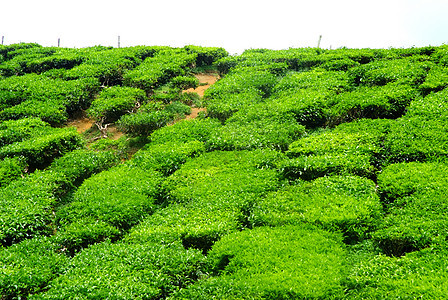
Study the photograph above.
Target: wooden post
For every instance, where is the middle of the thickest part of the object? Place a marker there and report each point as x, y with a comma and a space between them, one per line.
118, 41
3, 39
318, 43
59, 42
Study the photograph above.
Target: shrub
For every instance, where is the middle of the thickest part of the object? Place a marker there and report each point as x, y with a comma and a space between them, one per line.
420, 274
126, 271
380, 72
436, 80
41, 150
144, 123
28, 267
19, 130
417, 139
206, 55
167, 157
184, 82
156, 71
113, 200
197, 225
178, 109
186, 131
433, 106
78, 165
11, 169
338, 203
114, 102
26, 207
389, 101
273, 263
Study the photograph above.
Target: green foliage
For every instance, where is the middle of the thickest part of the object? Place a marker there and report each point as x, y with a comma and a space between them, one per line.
156, 71
406, 70
41, 150
206, 55
420, 274
197, 225
178, 109
351, 148
27, 267
51, 100
144, 123
114, 102
167, 157
415, 197
186, 131
290, 262
436, 80
11, 169
126, 271
26, 207
338, 203
107, 204
78, 165
388, 101
184, 82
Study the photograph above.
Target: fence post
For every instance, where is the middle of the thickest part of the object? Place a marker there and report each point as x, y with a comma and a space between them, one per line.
3, 38
59, 42
318, 43
118, 41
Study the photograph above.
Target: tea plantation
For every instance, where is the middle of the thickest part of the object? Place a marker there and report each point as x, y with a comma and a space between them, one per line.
312, 174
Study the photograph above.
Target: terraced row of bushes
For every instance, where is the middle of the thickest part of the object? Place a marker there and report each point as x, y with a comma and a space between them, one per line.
314, 174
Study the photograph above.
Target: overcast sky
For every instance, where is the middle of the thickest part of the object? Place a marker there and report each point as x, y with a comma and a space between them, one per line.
233, 24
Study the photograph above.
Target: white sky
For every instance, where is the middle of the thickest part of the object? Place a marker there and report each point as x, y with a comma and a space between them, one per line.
233, 24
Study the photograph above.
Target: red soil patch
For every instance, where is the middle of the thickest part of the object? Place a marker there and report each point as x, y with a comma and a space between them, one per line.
81, 124
206, 80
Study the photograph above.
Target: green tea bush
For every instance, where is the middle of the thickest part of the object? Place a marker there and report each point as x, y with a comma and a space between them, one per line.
433, 106
41, 150
436, 80
126, 271
224, 107
26, 207
290, 262
178, 109
417, 139
167, 157
78, 165
381, 72
114, 201
206, 55
316, 80
267, 133
19, 61
114, 102
28, 267
414, 223
389, 101
224, 176
337, 203
405, 179
414, 195
157, 70
420, 274
197, 225
350, 148
186, 131
11, 169
12, 131
144, 123
184, 82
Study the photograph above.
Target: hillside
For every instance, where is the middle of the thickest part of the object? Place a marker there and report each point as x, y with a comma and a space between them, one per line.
300, 174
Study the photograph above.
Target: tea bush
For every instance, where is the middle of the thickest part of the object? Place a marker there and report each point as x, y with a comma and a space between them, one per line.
26, 207
157, 70
126, 271
186, 131
114, 102
337, 203
144, 123
167, 157
111, 202
28, 267
273, 263
420, 274
436, 80
11, 169
40, 150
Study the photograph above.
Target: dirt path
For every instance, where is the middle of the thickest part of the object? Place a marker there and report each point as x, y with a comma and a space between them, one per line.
205, 81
